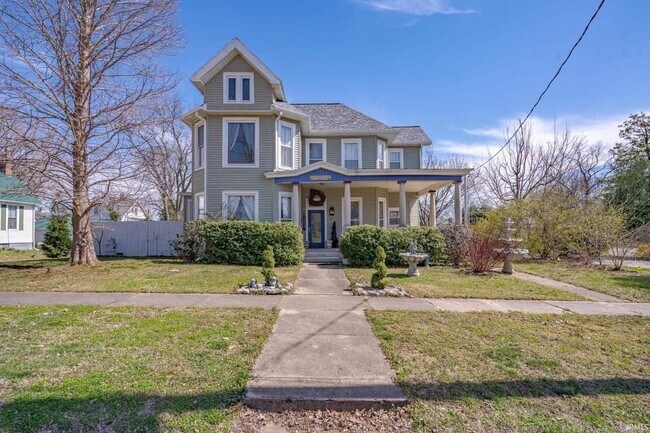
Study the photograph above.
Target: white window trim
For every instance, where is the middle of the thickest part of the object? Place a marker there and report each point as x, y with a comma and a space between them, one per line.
196, 206
401, 157
356, 141
308, 143
282, 194
360, 200
383, 154
391, 209
239, 88
17, 217
225, 144
224, 201
196, 143
279, 146
385, 202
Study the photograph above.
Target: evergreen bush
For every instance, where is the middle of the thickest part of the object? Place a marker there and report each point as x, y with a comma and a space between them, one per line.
378, 279
57, 241
268, 264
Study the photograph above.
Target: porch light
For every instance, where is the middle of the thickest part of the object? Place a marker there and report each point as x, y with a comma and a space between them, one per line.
332, 211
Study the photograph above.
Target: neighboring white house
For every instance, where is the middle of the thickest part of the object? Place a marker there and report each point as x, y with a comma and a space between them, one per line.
17, 209
126, 210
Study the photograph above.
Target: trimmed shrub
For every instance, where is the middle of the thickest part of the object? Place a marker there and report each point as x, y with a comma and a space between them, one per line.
359, 243
268, 264
243, 242
378, 279
57, 242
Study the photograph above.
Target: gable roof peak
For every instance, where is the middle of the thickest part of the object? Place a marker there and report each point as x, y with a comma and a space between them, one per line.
236, 47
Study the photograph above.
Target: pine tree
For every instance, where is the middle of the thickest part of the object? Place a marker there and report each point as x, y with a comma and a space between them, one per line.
378, 279
268, 264
57, 241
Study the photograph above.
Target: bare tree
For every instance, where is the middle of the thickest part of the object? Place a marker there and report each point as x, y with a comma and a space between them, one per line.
444, 196
525, 168
590, 167
164, 151
79, 75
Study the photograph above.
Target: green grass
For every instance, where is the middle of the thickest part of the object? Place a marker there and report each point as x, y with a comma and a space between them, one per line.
130, 275
518, 372
126, 369
443, 282
630, 284
10, 254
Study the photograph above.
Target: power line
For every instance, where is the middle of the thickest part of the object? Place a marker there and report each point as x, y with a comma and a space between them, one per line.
548, 86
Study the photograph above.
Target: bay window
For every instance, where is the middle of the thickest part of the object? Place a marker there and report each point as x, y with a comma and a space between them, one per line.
286, 145
200, 145
240, 142
381, 152
240, 205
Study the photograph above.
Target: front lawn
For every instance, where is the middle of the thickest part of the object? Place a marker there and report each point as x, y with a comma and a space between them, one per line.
130, 275
126, 369
10, 254
518, 372
630, 284
443, 282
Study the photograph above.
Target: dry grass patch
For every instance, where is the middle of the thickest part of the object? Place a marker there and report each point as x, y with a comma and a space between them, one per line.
130, 275
629, 284
443, 282
518, 372
126, 369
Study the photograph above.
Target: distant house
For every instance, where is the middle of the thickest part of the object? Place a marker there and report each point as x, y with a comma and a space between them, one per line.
125, 210
17, 209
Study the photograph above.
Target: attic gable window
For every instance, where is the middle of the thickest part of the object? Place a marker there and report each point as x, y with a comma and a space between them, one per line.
238, 88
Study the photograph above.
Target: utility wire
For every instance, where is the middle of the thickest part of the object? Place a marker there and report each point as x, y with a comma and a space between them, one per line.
548, 86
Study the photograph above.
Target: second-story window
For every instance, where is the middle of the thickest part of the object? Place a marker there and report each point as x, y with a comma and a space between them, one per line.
240, 142
316, 151
286, 145
238, 88
200, 145
351, 153
396, 157
381, 154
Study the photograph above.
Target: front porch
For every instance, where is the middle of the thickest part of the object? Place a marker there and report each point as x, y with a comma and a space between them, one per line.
325, 197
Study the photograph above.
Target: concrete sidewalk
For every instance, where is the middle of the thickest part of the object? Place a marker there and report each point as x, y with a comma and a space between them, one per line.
322, 353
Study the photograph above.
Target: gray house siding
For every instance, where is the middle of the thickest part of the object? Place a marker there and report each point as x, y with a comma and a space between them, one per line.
241, 179
198, 181
263, 94
411, 157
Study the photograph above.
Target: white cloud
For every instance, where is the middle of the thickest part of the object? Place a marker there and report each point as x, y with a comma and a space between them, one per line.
413, 7
480, 142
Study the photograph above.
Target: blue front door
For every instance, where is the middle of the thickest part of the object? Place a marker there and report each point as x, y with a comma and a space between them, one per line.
316, 221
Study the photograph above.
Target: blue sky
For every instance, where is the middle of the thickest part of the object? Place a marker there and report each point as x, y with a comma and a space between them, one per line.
459, 68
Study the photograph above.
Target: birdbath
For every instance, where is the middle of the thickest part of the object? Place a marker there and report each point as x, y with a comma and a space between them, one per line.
508, 251
413, 258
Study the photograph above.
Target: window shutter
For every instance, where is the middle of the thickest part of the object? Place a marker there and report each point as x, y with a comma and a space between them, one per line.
21, 217
3, 217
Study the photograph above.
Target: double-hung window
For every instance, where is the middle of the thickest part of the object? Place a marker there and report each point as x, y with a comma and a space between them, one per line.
286, 209
200, 145
240, 142
238, 88
395, 158
12, 217
240, 205
381, 154
351, 153
316, 150
200, 206
286, 145
393, 217
356, 210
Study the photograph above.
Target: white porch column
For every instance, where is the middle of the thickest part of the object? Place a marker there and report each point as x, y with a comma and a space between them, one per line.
432, 208
466, 201
347, 205
295, 204
402, 203
457, 203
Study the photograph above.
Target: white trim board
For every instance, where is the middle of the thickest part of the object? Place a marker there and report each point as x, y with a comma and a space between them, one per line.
309, 141
356, 141
225, 144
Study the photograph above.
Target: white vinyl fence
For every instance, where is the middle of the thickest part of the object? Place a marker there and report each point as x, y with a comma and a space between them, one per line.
136, 238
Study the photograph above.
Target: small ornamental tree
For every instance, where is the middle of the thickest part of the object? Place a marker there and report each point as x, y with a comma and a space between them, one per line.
268, 264
482, 253
378, 279
57, 241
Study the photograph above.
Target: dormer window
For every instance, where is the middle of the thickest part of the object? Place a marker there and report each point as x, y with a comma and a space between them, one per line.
238, 88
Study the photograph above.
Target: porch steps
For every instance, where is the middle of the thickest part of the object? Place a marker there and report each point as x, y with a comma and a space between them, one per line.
323, 256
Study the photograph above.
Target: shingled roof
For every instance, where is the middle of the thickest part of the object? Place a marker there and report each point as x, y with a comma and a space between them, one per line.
338, 117
411, 135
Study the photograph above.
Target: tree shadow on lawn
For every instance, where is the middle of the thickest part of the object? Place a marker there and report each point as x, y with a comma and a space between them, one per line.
640, 282
32, 263
109, 412
119, 411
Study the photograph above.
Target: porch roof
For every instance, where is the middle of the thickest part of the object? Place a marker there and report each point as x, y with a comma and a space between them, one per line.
324, 172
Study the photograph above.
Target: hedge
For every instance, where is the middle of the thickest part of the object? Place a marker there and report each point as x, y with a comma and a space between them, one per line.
359, 243
241, 242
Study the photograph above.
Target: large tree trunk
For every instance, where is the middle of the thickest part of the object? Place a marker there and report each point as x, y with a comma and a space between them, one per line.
83, 248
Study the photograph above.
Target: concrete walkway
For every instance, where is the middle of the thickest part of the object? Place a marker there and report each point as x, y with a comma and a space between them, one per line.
322, 353
580, 291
